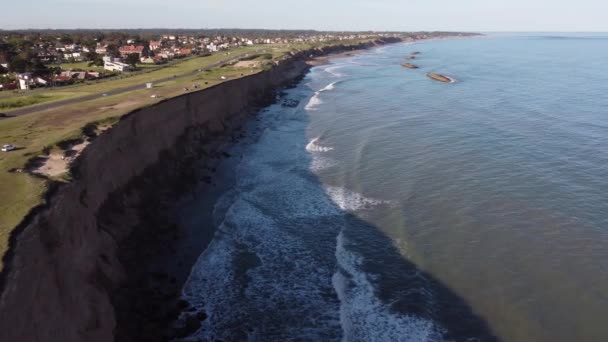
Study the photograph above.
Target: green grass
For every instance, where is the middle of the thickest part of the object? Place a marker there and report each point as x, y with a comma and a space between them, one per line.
22, 101
148, 74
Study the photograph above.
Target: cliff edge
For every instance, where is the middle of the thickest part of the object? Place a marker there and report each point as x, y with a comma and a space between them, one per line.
64, 266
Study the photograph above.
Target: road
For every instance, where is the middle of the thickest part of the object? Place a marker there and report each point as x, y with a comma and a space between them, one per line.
60, 103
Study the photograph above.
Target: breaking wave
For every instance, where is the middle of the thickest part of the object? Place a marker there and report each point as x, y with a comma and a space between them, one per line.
363, 316
351, 201
330, 86
314, 102
313, 146
331, 70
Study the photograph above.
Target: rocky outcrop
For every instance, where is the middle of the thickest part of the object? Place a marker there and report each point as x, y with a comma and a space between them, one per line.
66, 261
440, 78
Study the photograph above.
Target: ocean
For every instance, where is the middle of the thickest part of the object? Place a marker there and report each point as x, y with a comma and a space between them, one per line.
371, 203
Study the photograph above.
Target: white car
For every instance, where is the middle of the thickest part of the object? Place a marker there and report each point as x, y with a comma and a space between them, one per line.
7, 148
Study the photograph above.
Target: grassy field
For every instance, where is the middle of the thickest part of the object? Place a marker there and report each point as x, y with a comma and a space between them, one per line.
32, 133
124, 80
9, 103
78, 66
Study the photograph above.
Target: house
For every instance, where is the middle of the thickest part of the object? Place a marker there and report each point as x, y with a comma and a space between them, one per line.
167, 54
41, 81
130, 49
76, 55
79, 75
26, 81
101, 50
184, 52
154, 45
114, 65
147, 60
62, 80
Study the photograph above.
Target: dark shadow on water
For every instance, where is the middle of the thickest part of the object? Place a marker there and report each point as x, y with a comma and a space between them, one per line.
410, 290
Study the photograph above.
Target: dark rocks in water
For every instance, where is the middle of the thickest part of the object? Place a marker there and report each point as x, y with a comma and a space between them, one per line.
188, 326
201, 316
409, 65
290, 103
440, 78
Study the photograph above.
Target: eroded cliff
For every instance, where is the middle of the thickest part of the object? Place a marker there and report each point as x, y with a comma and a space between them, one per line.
67, 261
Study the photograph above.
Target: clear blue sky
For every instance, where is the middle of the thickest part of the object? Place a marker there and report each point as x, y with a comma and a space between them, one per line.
406, 15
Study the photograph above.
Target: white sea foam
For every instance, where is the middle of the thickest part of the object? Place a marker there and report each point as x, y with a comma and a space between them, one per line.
314, 146
287, 272
351, 201
330, 86
320, 163
314, 102
332, 70
286, 293
363, 316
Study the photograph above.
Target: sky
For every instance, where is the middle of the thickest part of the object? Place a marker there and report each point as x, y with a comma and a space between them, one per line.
339, 15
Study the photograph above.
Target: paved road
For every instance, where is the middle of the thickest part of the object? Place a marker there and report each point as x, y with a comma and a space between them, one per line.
57, 104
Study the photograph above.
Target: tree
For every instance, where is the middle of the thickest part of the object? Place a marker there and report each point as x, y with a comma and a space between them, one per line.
112, 50
132, 59
18, 64
91, 55
38, 68
66, 39
98, 61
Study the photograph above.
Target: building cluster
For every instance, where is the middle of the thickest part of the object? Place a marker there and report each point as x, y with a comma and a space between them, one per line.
116, 56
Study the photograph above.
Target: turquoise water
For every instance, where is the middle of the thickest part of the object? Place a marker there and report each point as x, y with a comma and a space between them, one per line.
386, 206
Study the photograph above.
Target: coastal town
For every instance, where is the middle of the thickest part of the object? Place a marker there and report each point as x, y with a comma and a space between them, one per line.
31, 60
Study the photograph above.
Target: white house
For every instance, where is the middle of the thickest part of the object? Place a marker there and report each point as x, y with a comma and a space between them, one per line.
101, 50
113, 65
26, 81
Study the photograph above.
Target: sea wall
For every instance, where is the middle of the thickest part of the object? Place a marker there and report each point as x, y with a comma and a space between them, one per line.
64, 266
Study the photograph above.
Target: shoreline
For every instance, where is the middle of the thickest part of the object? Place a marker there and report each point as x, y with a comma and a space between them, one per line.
124, 255
96, 237
193, 241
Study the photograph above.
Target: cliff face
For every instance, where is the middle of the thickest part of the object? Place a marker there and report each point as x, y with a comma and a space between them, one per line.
65, 264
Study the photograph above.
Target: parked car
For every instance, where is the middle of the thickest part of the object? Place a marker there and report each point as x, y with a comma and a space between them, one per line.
8, 148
